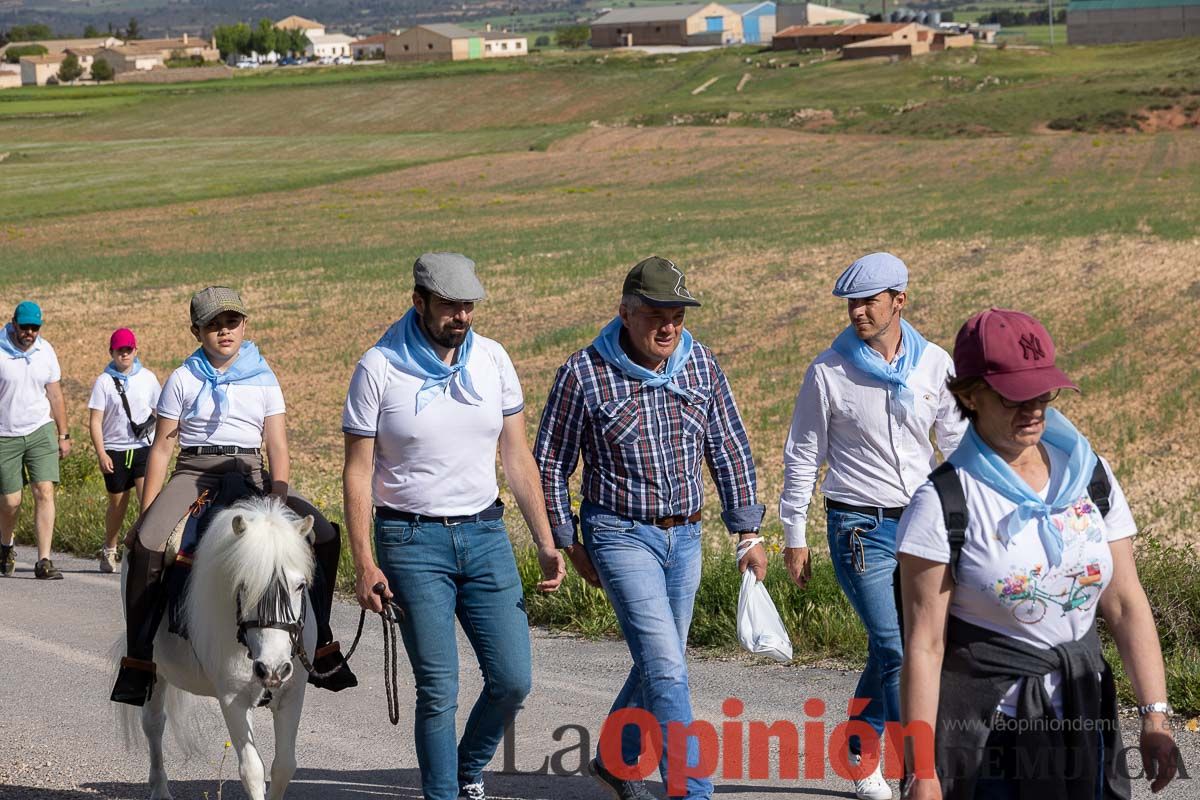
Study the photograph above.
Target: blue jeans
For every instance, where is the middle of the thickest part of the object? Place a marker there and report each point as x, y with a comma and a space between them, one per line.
650, 575
438, 572
863, 550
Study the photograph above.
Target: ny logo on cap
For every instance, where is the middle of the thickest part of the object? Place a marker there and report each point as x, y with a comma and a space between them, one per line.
1031, 347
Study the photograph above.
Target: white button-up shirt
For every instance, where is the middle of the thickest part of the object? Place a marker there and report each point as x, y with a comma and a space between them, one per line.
843, 417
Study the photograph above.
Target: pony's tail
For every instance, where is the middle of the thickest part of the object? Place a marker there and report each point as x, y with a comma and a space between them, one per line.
184, 715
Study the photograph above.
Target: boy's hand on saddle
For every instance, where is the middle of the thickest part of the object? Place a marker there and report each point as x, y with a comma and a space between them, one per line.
106, 463
364, 589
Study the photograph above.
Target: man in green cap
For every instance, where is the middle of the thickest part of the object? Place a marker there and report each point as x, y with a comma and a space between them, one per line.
33, 434
646, 406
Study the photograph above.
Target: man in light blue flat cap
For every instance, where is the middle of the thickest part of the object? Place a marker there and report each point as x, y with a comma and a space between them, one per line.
866, 407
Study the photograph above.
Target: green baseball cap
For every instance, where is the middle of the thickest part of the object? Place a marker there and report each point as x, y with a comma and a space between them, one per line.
208, 303
659, 282
27, 313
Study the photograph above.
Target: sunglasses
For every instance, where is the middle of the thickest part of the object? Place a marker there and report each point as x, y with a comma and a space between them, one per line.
1041, 400
29, 328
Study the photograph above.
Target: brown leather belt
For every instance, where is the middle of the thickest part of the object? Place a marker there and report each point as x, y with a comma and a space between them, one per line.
674, 520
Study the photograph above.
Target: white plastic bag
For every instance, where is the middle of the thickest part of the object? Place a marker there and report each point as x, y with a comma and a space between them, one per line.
759, 628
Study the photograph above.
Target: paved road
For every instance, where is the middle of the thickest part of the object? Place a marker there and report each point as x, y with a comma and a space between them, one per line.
59, 741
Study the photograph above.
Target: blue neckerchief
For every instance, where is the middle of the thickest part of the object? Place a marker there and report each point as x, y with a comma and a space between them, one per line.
986, 466
407, 349
608, 345
10, 349
249, 369
868, 361
124, 377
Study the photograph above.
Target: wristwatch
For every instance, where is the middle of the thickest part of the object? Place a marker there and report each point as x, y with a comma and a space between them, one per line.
1155, 708
64, 436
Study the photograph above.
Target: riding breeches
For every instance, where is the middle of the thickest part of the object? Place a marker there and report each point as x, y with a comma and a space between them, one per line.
193, 475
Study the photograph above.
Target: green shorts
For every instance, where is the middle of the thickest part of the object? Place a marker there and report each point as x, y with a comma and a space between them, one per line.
28, 459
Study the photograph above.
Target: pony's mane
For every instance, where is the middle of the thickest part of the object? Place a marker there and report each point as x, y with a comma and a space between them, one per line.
252, 560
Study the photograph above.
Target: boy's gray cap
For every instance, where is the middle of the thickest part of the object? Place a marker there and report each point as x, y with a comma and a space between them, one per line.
448, 275
208, 303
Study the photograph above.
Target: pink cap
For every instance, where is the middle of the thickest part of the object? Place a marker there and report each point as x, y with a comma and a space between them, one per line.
122, 337
1010, 350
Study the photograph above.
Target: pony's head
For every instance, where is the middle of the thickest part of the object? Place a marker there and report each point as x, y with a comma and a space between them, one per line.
254, 567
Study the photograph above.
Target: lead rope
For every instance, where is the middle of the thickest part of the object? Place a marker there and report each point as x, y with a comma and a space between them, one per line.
390, 617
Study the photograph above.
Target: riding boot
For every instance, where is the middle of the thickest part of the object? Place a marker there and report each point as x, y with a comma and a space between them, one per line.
144, 606
329, 653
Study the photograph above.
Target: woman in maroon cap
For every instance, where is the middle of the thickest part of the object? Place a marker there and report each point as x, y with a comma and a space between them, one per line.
121, 421
1007, 553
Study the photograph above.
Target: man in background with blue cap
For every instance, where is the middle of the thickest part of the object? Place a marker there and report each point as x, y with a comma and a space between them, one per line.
866, 409
33, 434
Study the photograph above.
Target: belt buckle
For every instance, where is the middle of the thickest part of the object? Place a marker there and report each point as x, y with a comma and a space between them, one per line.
228, 450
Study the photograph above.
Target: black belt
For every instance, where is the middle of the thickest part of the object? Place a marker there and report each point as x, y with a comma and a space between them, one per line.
492, 512
871, 511
219, 450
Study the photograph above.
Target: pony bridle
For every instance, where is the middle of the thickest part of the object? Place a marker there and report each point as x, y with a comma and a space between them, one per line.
274, 610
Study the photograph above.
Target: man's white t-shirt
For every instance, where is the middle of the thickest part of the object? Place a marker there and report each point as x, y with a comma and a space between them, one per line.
246, 407
1014, 590
441, 462
141, 390
24, 406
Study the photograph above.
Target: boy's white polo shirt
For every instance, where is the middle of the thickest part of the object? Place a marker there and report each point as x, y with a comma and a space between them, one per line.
24, 406
441, 462
246, 408
141, 390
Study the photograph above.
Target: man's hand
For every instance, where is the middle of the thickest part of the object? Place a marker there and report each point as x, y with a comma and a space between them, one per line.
364, 588
583, 564
553, 568
755, 558
106, 463
1159, 753
798, 564
64, 448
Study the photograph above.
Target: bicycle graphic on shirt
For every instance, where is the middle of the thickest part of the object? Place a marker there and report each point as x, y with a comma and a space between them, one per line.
1030, 601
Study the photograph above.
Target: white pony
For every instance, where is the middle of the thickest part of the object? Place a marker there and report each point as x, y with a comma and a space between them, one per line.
248, 618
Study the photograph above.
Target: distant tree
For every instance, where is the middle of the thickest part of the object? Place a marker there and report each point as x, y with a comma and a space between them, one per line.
4, 38
101, 70
30, 33
70, 71
132, 31
233, 39
297, 39
92, 32
263, 40
947, 16
13, 54
542, 41
573, 36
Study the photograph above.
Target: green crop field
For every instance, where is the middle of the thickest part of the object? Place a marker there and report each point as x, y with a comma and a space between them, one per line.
1065, 183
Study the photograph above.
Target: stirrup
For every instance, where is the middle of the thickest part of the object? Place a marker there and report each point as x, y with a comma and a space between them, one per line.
329, 657
135, 682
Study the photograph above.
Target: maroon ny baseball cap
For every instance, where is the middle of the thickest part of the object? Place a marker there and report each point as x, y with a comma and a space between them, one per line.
1010, 350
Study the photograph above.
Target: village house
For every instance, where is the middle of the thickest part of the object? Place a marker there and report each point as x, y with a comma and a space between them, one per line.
57, 46
870, 39
682, 25
39, 70
438, 42
758, 20
310, 27
371, 48
502, 44
328, 45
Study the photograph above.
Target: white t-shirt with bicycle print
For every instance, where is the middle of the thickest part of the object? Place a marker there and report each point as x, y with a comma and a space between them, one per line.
1014, 590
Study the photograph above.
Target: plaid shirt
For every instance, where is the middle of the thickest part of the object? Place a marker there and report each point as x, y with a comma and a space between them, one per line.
642, 448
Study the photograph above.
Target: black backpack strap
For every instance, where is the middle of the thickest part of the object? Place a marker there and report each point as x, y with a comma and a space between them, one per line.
1099, 488
954, 510
124, 399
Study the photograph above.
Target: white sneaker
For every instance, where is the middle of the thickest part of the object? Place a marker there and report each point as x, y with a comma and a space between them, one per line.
472, 791
108, 559
872, 787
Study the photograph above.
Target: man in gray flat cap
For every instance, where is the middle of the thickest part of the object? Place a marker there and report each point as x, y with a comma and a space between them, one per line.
427, 407
866, 407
